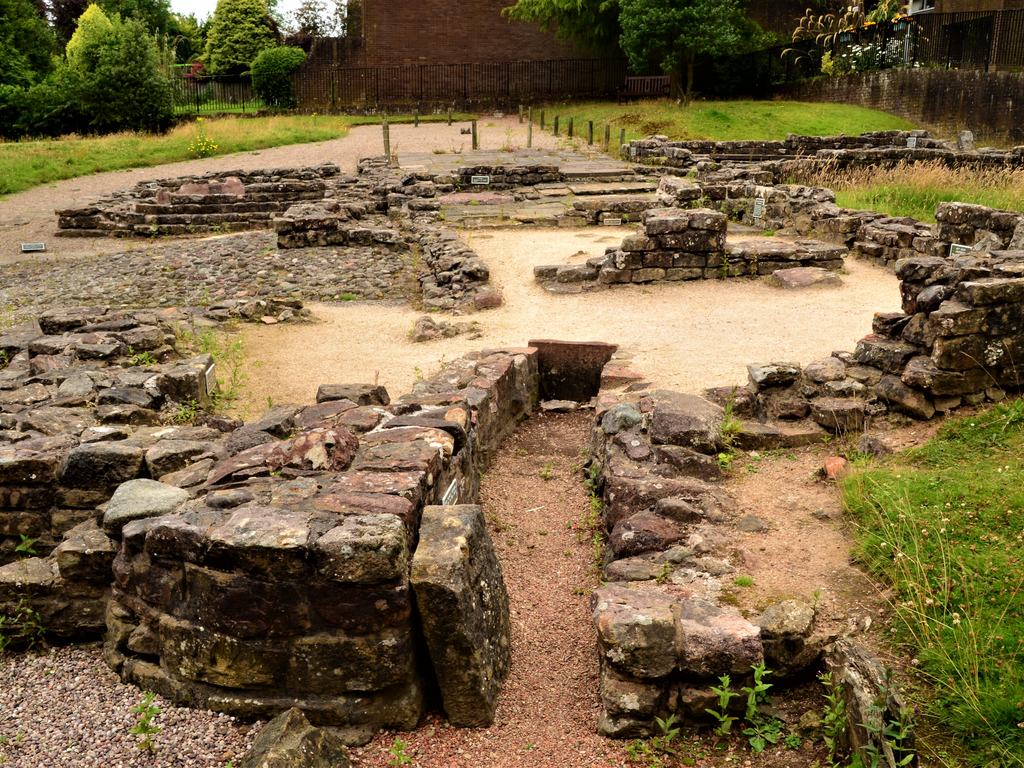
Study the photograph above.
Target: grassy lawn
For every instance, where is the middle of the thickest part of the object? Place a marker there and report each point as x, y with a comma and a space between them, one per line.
26, 164
723, 120
943, 524
914, 189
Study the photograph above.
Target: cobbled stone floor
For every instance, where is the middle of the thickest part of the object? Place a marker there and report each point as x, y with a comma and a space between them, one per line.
199, 272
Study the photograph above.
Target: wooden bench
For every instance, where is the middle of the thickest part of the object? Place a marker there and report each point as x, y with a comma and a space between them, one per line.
649, 86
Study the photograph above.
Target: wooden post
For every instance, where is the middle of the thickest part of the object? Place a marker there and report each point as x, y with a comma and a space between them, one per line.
520, 114
542, 119
416, 119
622, 138
387, 137
556, 125
529, 135
607, 136
449, 117
476, 141
569, 132
590, 131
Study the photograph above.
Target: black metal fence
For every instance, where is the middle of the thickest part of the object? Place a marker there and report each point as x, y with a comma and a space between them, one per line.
372, 86
964, 40
208, 95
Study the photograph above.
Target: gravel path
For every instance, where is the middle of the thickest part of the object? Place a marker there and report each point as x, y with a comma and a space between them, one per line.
66, 708
548, 708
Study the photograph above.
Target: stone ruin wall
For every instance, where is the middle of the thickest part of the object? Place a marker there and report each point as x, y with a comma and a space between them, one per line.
248, 559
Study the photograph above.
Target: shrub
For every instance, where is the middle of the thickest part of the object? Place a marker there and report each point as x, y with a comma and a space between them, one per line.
128, 90
95, 32
270, 73
240, 30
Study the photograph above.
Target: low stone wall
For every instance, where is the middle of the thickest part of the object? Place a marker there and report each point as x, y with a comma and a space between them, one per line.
886, 240
874, 148
267, 565
228, 201
675, 244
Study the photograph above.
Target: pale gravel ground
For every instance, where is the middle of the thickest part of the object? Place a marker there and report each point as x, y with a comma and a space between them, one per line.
685, 336
66, 709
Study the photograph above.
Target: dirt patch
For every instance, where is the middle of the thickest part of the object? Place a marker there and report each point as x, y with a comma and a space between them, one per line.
548, 708
684, 336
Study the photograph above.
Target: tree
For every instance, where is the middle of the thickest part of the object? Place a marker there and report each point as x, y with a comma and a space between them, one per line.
128, 91
95, 32
670, 34
240, 30
593, 24
26, 43
270, 71
155, 14
64, 15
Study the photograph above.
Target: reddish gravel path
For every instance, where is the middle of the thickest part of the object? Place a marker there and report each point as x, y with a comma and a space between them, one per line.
547, 711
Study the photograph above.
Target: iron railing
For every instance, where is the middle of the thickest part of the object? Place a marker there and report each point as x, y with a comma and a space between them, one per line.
373, 86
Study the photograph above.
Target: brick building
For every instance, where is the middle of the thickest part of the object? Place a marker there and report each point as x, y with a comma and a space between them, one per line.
444, 32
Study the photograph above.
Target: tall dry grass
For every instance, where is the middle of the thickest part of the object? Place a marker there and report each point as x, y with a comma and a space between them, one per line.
915, 188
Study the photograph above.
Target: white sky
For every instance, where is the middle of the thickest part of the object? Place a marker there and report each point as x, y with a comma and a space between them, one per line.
203, 8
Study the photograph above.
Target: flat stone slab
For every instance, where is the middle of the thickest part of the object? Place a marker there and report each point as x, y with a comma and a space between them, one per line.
804, 277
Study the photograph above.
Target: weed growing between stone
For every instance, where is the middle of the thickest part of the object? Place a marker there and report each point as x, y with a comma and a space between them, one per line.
24, 628
228, 355
943, 523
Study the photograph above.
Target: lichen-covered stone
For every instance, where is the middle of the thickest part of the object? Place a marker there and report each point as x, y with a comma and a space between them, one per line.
462, 600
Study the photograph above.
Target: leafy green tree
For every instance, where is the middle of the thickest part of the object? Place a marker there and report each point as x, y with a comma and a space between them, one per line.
593, 24
156, 14
128, 91
240, 30
671, 34
63, 15
26, 43
270, 72
95, 32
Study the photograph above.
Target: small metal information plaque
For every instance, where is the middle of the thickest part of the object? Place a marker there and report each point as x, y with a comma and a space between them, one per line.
26, 247
451, 495
758, 207
912, 142
479, 179
613, 222
632, 151
211, 379
955, 249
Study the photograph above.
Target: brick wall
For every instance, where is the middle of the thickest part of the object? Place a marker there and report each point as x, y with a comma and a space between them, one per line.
945, 101
441, 32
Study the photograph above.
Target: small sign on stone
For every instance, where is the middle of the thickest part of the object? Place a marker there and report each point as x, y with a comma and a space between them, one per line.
613, 222
211, 378
27, 247
479, 179
758, 207
955, 249
911, 142
153, 185
451, 496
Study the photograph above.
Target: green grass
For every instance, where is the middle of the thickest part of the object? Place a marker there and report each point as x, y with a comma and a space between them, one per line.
27, 164
914, 189
943, 524
722, 120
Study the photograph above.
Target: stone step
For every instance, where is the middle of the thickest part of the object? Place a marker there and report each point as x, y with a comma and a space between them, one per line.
613, 188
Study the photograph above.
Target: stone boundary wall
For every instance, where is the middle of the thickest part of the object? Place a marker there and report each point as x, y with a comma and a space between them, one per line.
949, 101
231, 201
